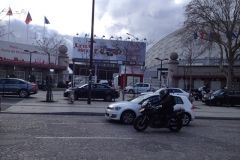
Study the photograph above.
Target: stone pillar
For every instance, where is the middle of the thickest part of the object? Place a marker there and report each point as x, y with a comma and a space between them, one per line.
63, 60
172, 69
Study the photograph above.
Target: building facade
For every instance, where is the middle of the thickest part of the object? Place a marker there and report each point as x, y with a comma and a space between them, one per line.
111, 58
30, 63
204, 70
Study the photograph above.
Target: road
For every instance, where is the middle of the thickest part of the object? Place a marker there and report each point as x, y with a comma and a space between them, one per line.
8, 101
29, 137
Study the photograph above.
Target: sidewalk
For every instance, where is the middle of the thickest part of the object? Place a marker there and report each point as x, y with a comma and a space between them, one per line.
36, 105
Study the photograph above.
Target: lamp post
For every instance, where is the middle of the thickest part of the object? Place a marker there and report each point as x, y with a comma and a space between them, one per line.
161, 60
91, 57
30, 62
49, 95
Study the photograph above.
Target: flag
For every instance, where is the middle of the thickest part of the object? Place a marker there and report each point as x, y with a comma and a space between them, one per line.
9, 13
28, 18
46, 21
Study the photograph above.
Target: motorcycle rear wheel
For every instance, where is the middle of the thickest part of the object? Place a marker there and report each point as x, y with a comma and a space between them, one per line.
175, 124
140, 123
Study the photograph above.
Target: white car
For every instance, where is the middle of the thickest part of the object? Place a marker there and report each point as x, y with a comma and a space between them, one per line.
172, 91
127, 111
138, 88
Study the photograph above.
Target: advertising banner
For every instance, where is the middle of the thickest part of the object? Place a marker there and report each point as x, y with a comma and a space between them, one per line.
131, 70
14, 52
111, 51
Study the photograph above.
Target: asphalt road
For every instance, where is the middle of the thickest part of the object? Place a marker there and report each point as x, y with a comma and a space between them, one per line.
54, 137
8, 101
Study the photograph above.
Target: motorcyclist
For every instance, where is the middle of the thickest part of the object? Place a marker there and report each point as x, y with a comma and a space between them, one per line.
167, 101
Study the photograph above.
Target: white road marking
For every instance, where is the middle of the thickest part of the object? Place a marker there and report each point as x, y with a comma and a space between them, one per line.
71, 123
113, 138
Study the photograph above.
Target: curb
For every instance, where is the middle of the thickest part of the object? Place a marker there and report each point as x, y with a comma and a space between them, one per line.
103, 114
218, 118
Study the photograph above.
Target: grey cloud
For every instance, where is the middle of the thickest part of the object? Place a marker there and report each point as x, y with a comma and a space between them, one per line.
148, 18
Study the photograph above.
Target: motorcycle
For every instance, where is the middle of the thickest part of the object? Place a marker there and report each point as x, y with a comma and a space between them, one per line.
151, 116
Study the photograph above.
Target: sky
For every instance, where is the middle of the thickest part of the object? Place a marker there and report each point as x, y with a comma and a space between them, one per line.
150, 19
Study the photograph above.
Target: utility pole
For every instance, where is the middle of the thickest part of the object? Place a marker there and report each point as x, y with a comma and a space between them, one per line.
91, 57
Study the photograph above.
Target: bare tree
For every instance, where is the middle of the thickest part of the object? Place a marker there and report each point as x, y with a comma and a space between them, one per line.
50, 46
192, 49
218, 21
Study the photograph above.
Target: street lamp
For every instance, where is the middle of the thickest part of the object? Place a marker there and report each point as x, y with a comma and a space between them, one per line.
91, 56
161, 60
30, 62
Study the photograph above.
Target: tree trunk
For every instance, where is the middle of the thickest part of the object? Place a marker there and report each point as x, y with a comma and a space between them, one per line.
229, 77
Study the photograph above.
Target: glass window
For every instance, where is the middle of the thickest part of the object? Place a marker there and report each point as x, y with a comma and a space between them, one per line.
154, 100
2, 81
11, 81
100, 86
237, 92
145, 85
20, 82
138, 85
178, 100
177, 91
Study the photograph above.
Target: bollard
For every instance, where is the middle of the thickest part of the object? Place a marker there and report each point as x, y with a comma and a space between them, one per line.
0, 103
123, 95
71, 97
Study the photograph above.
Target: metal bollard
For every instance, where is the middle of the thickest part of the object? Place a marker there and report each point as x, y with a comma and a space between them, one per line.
0, 103
71, 97
123, 95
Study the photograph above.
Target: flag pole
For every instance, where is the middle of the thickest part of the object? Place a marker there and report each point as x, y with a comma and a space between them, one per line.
8, 26
44, 31
27, 33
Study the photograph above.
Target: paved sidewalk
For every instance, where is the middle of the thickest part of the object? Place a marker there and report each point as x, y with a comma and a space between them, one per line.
36, 105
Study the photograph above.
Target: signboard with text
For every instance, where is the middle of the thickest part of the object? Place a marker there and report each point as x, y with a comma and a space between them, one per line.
112, 51
14, 52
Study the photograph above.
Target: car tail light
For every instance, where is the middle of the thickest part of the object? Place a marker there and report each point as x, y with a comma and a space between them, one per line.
34, 87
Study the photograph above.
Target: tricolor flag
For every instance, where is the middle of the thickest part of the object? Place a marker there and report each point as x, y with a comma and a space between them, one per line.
9, 13
28, 18
46, 21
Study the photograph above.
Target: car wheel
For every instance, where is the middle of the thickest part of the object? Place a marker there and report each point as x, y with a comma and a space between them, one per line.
108, 98
186, 119
128, 117
23, 94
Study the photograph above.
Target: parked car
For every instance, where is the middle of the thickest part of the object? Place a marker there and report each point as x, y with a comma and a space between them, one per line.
138, 88
173, 91
224, 96
99, 91
127, 111
15, 86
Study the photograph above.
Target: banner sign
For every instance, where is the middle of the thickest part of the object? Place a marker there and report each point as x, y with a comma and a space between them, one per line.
14, 52
131, 70
122, 52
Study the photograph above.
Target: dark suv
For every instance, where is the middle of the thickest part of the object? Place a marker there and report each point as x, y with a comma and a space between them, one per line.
99, 91
224, 96
15, 86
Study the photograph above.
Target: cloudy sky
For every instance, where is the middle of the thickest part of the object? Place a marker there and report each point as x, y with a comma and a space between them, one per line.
151, 19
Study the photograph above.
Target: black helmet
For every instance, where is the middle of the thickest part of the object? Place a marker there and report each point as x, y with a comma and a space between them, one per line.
163, 93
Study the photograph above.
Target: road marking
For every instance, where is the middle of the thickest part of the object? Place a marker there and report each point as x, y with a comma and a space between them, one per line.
80, 123
113, 138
